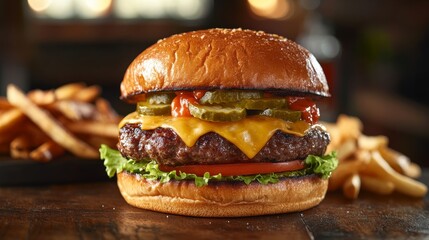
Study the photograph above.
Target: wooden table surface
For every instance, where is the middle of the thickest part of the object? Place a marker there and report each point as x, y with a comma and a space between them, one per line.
97, 211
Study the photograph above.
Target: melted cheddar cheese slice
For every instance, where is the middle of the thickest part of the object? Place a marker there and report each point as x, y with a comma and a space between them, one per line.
249, 134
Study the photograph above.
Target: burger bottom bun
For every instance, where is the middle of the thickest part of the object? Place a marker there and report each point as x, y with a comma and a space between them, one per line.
223, 199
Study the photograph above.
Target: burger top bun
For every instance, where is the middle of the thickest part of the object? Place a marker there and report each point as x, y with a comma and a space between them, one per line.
224, 59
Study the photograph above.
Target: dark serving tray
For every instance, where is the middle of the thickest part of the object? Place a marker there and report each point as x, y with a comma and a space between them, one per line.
67, 169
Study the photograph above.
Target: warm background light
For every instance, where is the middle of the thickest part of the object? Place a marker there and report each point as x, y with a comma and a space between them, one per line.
126, 9
192, 9
271, 9
151, 9
60, 9
184, 9
264, 7
92, 8
39, 5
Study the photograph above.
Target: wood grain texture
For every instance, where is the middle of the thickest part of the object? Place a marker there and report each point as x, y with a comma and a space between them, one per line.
97, 211
65, 169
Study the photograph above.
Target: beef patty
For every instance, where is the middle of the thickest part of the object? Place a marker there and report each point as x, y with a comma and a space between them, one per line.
167, 148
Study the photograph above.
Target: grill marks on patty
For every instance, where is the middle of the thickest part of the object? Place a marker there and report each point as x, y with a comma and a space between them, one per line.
167, 148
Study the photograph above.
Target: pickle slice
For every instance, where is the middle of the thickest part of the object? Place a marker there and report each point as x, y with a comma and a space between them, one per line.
217, 113
144, 108
262, 104
160, 97
226, 96
285, 114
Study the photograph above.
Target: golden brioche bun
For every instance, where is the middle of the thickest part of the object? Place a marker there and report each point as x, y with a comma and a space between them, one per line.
224, 59
223, 199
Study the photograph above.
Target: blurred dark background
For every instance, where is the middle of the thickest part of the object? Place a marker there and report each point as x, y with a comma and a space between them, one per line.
373, 52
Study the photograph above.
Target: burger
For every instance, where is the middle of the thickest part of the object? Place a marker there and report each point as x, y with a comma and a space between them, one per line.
226, 125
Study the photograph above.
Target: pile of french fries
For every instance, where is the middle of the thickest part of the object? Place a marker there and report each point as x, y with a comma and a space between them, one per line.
367, 163
43, 125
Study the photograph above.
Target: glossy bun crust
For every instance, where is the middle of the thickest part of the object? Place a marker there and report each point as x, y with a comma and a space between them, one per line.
223, 199
224, 59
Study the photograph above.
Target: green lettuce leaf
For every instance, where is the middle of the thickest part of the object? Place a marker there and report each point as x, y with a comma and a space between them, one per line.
116, 163
322, 165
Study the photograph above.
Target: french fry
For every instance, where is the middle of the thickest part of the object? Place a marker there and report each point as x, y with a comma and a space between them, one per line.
96, 141
75, 110
372, 143
49, 125
10, 119
346, 149
350, 127
376, 185
5, 140
396, 160
23, 144
334, 131
45, 123
94, 128
5, 105
381, 170
335, 135
35, 132
46, 152
105, 111
379, 167
66, 92
413, 171
88, 94
351, 186
345, 170
363, 155
41, 97
21, 147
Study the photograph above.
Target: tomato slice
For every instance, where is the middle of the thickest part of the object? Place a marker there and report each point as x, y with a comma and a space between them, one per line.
237, 169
